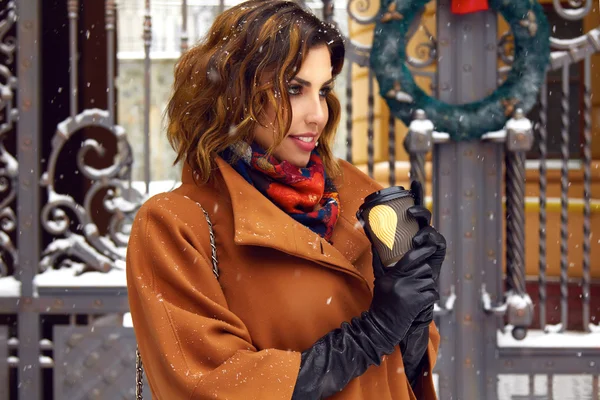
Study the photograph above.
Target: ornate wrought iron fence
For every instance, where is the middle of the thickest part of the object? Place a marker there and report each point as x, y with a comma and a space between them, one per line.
62, 283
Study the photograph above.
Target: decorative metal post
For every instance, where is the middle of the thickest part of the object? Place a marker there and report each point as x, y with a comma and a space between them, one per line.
467, 178
519, 139
564, 197
370, 127
29, 147
184, 31
349, 112
392, 149
9, 170
543, 137
587, 190
419, 142
110, 14
147, 75
328, 6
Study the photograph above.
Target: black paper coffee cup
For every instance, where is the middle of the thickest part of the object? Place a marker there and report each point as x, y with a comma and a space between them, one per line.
387, 224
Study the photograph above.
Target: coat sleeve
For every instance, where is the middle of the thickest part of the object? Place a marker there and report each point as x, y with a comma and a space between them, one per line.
192, 345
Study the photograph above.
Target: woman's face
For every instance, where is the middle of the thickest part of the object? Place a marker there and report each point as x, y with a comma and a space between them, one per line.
307, 92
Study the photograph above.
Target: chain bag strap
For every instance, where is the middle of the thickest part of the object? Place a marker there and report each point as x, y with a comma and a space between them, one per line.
139, 367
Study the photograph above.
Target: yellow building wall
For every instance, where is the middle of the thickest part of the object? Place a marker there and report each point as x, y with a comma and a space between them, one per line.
593, 20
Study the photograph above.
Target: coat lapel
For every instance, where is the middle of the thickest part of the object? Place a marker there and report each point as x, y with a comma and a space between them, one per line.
259, 222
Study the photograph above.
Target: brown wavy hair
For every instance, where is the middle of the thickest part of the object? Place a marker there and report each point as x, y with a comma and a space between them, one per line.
224, 83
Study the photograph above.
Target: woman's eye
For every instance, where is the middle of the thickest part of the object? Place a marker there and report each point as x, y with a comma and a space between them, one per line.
294, 90
325, 91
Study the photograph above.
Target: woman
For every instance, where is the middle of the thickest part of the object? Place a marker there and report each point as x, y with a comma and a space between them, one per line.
297, 311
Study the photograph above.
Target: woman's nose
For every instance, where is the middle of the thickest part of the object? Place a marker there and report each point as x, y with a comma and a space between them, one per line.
317, 112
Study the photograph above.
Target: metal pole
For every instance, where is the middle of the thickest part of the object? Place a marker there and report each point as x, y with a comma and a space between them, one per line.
147, 69
519, 139
543, 138
443, 200
564, 200
530, 385
4, 351
28, 154
466, 70
419, 142
508, 215
417, 167
110, 46
73, 10
515, 225
328, 10
349, 113
492, 244
370, 127
587, 189
184, 30
392, 148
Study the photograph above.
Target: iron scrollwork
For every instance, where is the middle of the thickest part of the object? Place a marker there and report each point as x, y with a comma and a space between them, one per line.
361, 6
426, 51
357, 53
506, 54
506, 46
9, 165
100, 253
578, 12
574, 50
570, 50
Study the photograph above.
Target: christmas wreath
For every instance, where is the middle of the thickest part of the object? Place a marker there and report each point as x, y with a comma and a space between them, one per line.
463, 121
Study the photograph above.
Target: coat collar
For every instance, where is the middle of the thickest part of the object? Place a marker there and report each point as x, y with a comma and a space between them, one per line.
259, 222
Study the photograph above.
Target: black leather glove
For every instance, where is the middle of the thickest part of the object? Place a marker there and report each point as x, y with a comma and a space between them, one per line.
427, 234
400, 294
414, 345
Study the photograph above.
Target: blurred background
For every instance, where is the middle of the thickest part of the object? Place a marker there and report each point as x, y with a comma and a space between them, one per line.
83, 90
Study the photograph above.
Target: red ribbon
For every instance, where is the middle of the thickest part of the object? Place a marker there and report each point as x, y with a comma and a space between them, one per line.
469, 6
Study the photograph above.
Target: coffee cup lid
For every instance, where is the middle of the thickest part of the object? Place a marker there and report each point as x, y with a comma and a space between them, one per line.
383, 196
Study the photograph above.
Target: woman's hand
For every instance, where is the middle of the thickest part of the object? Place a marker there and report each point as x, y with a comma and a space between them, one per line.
428, 236
400, 294
403, 299
403, 291
414, 345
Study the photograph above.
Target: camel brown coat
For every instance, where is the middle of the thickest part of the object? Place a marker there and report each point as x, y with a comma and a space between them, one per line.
281, 288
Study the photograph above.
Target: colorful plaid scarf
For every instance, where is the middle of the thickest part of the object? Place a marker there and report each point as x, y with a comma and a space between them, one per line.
305, 194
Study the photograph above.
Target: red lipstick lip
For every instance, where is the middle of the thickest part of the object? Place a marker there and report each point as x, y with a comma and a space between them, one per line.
304, 146
307, 134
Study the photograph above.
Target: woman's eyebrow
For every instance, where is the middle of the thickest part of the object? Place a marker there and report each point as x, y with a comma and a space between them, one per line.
307, 83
